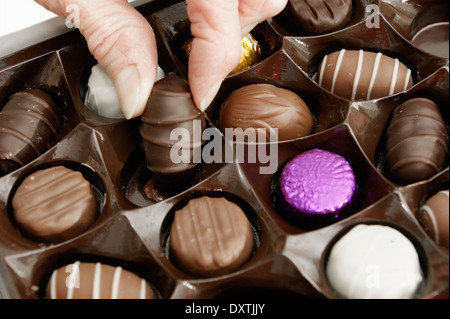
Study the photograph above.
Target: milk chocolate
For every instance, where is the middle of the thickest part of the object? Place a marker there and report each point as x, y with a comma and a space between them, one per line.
265, 106
85, 280
54, 204
312, 17
170, 113
362, 75
374, 262
29, 124
434, 218
416, 141
210, 237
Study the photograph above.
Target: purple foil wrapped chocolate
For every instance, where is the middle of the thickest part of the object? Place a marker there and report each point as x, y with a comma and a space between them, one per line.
317, 188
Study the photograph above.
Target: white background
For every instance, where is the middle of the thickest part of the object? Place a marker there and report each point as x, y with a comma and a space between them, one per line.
16, 15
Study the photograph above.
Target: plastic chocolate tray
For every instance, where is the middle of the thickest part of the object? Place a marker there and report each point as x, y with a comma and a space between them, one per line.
132, 231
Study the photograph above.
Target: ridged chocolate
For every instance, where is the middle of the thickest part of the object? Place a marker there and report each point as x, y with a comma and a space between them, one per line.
434, 218
210, 237
54, 204
363, 75
29, 124
83, 280
416, 141
170, 107
317, 16
267, 106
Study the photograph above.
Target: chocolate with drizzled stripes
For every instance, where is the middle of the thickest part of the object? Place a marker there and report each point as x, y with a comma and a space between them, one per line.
362, 75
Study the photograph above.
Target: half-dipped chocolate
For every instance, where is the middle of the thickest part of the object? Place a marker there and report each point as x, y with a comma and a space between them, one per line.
85, 280
312, 17
416, 141
210, 237
317, 188
434, 217
29, 124
54, 204
171, 128
363, 75
265, 106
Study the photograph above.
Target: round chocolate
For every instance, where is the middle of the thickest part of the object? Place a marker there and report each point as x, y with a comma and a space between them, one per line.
210, 237
317, 188
29, 124
265, 106
54, 204
374, 262
434, 218
312, 17
83, 280
416, 141
170, 109
362, 75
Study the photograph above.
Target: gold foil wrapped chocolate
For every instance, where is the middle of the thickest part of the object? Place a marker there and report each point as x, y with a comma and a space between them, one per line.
250, 53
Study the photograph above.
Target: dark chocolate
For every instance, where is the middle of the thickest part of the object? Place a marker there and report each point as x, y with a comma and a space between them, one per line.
83, 280
416, 141
265, 106
363, 75
312, 17
54, 204
210, 237
29, 124
170, 109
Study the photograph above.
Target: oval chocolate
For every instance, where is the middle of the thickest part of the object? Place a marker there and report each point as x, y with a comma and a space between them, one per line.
83, 280
29, 124
363, 75
317, 16
434, 217
416, 141
265, 106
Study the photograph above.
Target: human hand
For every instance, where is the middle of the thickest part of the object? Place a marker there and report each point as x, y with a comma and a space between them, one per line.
122, 40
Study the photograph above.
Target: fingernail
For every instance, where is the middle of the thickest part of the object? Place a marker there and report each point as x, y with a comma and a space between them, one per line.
128, 88
210, 95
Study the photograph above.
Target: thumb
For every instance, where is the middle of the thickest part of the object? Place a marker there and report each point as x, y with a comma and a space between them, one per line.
216, 47
121, 40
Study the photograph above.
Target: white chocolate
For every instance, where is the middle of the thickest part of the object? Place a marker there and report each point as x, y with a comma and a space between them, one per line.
374, 262
101, 96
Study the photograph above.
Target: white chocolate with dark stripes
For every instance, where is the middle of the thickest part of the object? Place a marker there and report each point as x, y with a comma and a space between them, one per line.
362, 75
54, 204
84, 280
210, 236
434, 218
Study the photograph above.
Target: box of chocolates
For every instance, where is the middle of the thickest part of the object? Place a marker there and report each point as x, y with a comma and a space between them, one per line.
320, 170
